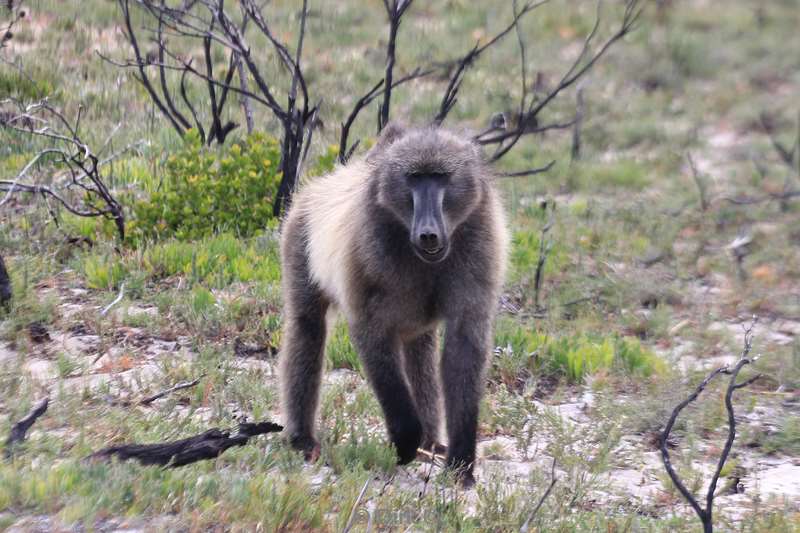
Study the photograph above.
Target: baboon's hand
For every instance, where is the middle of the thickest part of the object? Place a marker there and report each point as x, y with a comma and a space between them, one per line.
406, 437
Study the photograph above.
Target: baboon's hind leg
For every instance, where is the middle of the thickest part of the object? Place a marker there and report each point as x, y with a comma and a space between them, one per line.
421, 370
302, 350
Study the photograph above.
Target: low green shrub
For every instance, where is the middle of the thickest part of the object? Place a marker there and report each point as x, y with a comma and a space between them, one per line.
340, 351
207, 191
527, 352
216, 261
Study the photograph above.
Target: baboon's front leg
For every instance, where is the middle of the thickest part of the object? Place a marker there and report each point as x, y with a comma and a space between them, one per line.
380, 354
467, 345
420, 360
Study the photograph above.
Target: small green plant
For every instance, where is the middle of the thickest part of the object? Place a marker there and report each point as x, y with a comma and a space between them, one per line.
577, 357
786, 439
27, 87
202, 300
215, 261
103, 272
206, 191
66, 365
340, 351
524, 352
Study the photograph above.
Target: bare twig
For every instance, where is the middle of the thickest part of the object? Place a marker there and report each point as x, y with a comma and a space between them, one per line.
178, 386
575, 153
705, 514
786, 154
395, 9
344, 152
582, 64
356, 503
529, 172
772, 197
20, 429
6, 28
244, 101
116, 300
526, 526
467, 60
545, 245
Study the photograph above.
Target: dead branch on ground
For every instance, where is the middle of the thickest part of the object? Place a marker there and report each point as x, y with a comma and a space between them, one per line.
20, 429
705, 514
207, 445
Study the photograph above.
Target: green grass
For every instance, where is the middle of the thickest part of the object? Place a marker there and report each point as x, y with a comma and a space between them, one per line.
607, 323
570, 357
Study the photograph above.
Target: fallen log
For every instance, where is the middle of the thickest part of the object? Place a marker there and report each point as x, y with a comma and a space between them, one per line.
207, 445
20, 429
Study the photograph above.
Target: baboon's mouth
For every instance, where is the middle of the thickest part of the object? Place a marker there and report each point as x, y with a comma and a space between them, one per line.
435, 251
434, 255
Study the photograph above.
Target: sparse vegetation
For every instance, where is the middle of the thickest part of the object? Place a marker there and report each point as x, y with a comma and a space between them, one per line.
643, 291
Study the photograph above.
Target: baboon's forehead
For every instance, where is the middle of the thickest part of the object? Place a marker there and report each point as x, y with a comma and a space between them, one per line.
432, 151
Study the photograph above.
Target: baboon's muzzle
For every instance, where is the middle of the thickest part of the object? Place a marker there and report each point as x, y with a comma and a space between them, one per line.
428, 232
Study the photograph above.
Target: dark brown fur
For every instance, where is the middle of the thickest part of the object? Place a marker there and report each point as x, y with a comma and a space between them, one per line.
346, 242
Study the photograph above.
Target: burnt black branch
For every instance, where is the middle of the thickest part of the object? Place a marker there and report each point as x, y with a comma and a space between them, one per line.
75, 170
395, 9
207, 445
706, 514
587, 58
20, 429
462, 64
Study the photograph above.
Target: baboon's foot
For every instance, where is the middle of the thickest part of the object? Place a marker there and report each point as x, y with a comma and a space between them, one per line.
308, 445
463, 471
406, 437
466, 479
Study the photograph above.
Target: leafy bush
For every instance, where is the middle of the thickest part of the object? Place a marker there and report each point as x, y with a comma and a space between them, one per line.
207, 191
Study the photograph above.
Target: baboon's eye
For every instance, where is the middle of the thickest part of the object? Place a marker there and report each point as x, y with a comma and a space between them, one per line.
439, 176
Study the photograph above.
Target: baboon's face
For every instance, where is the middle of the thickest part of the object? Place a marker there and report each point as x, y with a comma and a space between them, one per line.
429, 182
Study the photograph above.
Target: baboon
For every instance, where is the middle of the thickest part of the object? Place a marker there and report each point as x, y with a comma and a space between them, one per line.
5, 284
410, 238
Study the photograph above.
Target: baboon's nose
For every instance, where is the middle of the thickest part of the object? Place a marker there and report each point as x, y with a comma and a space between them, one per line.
429, 240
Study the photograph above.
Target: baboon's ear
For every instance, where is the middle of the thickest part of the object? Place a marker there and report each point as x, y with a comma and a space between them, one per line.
390, 133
